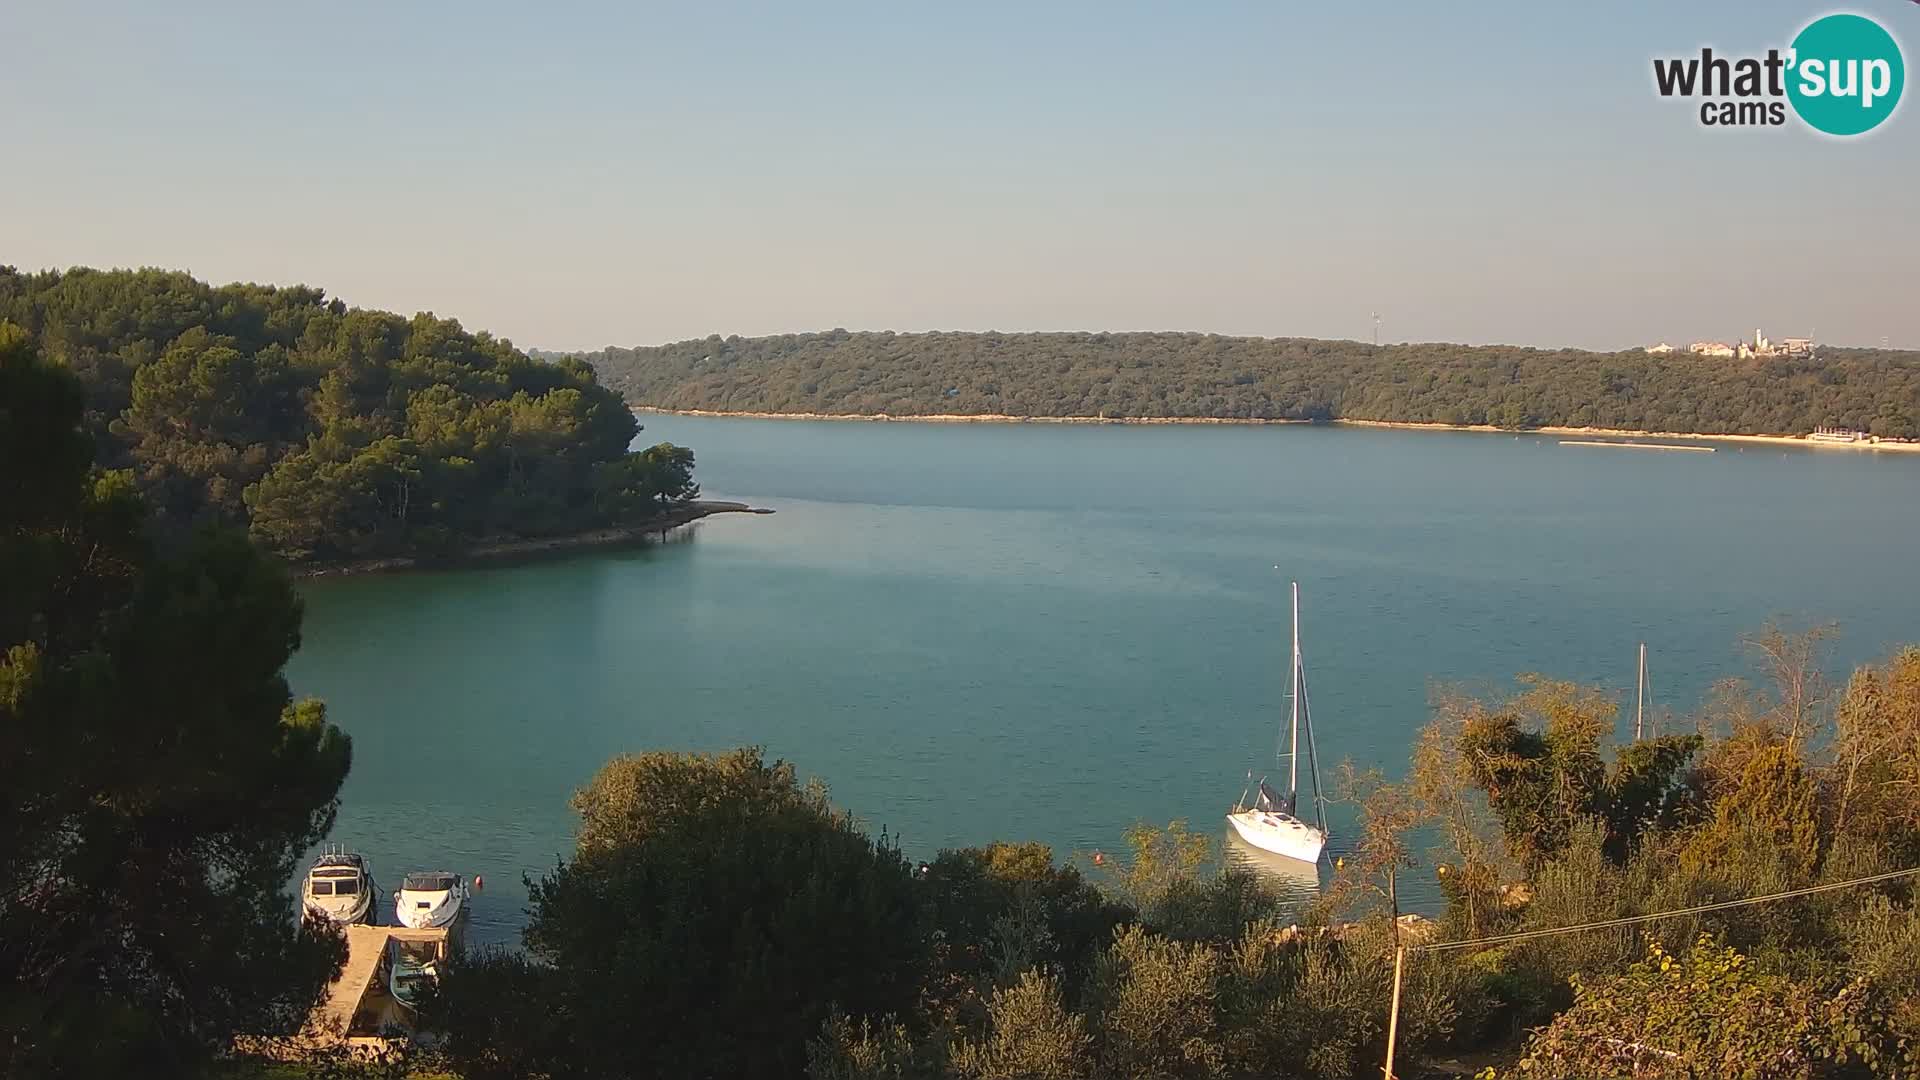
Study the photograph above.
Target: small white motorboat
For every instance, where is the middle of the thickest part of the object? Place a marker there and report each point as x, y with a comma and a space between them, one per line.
430, 899
414, 967
339, 887
1269, 822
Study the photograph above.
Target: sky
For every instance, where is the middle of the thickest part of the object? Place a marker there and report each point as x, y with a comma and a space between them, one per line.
573, 176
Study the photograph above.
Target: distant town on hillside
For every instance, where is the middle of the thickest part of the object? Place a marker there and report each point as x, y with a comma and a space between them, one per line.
1760, 347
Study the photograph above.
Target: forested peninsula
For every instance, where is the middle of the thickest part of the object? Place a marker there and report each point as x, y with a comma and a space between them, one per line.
1205, 376
333, 433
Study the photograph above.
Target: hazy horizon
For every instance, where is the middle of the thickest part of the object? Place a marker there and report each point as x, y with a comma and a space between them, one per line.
1384, 343
535, 346
636, 176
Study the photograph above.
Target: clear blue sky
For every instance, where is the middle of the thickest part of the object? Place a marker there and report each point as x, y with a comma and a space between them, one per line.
572, 176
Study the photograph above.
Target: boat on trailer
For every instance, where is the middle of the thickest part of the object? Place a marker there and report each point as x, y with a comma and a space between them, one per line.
339, 887
1272, 822
429, 899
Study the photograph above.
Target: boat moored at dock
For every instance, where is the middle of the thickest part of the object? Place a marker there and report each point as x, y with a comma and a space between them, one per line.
339, 888
414, 964
429, 899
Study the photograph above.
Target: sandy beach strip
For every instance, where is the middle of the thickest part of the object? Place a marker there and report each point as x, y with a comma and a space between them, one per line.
1406, 425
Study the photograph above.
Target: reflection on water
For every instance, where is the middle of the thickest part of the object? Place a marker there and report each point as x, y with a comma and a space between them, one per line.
1295, 881
1044, 632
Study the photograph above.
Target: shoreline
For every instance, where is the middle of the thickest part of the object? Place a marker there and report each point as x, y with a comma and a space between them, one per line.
530, 547
1404, 425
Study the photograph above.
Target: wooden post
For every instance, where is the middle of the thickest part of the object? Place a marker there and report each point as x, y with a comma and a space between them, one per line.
1399, 951
1393, 1012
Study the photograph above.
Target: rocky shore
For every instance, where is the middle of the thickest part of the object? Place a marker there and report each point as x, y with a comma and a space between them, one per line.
509, 548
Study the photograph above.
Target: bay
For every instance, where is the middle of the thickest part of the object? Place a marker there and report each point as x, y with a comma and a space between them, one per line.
1037, 631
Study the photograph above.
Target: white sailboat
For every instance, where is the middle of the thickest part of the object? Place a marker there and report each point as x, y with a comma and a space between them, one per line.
1281, 874
1270, 822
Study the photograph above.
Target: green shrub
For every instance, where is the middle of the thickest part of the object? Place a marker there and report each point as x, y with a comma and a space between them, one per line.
1709, 1013
1031, 1036
1153, 1004
715, 915
503, 1015
868, 1051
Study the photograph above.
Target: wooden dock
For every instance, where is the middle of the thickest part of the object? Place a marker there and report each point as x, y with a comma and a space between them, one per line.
366, 959
358, 1006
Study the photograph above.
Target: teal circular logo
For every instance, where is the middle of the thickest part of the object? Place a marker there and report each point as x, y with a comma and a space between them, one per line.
1847, 74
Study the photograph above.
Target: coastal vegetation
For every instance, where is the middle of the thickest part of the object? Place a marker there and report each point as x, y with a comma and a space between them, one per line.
333, 433
720, 918
157, 781
1184, 375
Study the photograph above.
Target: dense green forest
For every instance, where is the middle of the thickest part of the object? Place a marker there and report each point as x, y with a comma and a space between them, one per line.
1205, 375
335, 432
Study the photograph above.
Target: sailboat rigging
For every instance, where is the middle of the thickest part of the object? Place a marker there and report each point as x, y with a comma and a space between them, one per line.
1640, 698
1273, 823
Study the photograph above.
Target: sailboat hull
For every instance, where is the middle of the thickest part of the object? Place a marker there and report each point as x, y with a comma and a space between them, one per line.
1279, 834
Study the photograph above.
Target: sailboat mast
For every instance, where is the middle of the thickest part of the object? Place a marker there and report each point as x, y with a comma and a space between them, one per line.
1293, 746
1313, 759
1640, 700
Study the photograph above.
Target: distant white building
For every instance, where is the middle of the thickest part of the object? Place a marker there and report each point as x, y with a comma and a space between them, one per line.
1839, 435
1763, 347
1760, 346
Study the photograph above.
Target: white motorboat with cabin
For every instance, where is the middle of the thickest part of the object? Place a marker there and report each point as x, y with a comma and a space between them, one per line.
339, 887
1272, 822
429, 899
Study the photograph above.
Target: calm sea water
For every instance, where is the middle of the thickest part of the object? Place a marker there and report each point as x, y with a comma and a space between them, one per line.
1051, 632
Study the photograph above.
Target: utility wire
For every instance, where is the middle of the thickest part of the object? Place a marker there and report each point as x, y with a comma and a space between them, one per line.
1446, 946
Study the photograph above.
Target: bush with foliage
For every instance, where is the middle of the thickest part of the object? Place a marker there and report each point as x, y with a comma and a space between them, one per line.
1030, 1036
157, 781
714, 914
1001, 911
1708, 1012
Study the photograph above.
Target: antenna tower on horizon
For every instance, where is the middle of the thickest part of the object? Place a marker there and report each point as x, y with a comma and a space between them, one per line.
1376, 329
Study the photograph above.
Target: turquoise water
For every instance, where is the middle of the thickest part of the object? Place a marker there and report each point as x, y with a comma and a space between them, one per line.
1050, 632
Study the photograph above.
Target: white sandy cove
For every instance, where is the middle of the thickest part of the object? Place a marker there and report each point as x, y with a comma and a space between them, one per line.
998, 418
